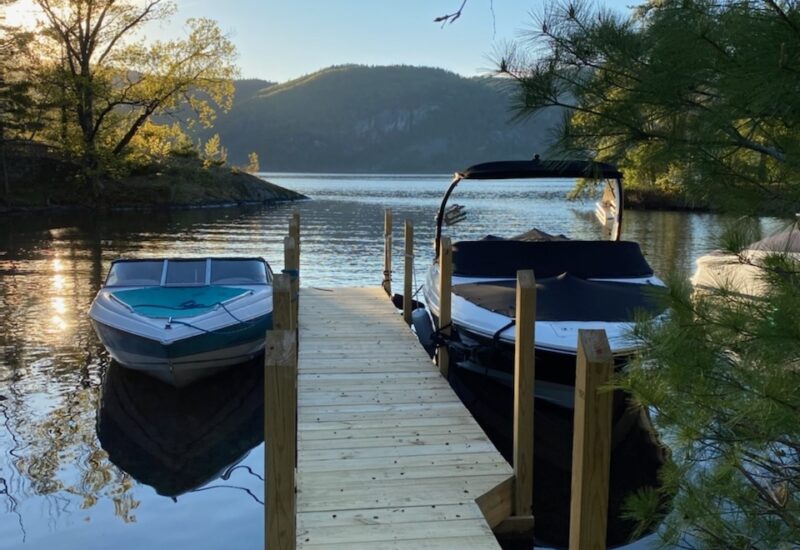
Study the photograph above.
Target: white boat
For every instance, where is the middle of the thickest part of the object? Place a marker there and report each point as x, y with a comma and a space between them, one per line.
599, 284
592, 284
182, 319
743, 273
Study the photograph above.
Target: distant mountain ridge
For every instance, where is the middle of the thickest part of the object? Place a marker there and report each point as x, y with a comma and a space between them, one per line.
378, 119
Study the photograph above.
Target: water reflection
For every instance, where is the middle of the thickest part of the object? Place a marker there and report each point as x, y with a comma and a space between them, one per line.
178, 440
61, 485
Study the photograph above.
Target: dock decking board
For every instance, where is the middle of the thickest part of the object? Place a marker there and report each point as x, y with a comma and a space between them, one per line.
388, 457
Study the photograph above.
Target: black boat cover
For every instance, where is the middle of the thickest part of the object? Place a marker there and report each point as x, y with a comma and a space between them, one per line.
536, 168
584, 259
569, 298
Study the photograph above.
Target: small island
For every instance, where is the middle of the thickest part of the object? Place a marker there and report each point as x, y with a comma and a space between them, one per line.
39, 178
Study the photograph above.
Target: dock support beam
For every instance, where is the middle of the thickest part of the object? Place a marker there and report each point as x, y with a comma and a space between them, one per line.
280, 421
510, 506
445, 303
387, 251
291, 270
524, 375
408, 272
591, 443
291, 262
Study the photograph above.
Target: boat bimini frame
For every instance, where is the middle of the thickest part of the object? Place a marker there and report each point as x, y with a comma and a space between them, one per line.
609, 208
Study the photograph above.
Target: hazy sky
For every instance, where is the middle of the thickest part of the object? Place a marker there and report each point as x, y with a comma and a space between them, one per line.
282, 39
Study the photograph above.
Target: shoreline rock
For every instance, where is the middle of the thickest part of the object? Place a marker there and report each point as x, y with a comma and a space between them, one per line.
43, 184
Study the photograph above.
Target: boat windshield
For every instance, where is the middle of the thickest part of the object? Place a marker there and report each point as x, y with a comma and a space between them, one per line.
139, 273
189, 272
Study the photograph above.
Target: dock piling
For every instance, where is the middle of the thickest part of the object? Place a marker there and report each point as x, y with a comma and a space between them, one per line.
387, 251
445, 302
524, 375
591, 443
290, 280
408, 272
294, 231
280, 422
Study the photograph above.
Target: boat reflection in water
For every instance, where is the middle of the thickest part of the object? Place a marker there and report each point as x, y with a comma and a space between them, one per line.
176, 440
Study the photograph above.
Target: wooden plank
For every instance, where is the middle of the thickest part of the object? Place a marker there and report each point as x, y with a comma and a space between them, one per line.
353, 397
336, 377
280, 430
396, 451
315, 387
591, 442
408, 272
445, 302
396, 493
330, 428
419, 461
381, 532
377, 475
395, 515
497, 503
454, 542
524, 373
393, 441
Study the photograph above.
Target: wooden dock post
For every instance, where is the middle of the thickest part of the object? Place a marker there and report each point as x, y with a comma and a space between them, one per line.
408, 272
591, 442
294, 230
445, 302
282, 315
511, 504
524, 375
291, 268
387, 251
280, 422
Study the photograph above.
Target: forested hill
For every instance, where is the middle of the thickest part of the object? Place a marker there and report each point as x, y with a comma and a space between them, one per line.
378, 119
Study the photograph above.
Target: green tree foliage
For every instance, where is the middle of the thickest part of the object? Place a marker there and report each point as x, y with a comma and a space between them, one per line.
722, 373
700, 94
252, 162
113, 82
214, 154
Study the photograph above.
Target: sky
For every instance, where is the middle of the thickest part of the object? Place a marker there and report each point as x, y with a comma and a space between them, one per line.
279, 40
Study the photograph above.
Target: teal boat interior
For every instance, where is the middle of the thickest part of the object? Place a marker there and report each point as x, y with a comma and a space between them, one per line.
176, 302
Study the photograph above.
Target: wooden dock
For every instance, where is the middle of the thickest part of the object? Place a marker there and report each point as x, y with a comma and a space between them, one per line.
368, 447
388, 456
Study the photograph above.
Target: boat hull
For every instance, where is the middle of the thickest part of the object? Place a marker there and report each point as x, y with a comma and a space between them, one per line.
185, 361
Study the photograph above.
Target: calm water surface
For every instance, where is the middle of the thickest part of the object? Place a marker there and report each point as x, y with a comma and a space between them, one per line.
96, 457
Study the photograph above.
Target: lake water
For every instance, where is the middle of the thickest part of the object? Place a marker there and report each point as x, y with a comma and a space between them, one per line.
94, 457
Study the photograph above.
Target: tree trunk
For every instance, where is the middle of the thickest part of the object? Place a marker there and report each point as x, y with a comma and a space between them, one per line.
86, 123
